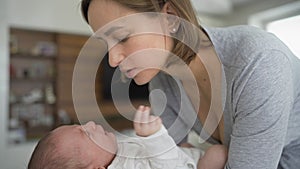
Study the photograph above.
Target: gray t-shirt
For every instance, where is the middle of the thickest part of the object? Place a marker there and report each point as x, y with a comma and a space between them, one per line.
262, 108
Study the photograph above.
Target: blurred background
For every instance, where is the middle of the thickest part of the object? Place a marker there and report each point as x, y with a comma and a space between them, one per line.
40, 41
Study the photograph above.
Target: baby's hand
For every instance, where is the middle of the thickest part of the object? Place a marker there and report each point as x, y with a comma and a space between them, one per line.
144, 123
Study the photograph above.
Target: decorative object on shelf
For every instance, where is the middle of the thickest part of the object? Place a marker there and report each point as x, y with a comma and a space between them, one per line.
44, 48
13, 123
17, 132
49, 94
38, 70
26, 73
37, 116
28, 67
33, 96
63, 117
17, 136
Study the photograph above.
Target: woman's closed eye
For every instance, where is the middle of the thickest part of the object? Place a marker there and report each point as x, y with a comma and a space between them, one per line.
124, 39
115, 40
121, 36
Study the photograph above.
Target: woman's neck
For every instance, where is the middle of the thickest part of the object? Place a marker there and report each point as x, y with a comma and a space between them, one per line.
207, 70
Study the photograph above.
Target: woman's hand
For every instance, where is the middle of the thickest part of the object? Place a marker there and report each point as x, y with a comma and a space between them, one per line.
144, 123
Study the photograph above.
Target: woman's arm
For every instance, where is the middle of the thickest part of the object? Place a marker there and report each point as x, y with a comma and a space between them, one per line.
262, 103
215, 157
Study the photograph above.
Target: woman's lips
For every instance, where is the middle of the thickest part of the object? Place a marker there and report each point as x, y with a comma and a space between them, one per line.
131, 73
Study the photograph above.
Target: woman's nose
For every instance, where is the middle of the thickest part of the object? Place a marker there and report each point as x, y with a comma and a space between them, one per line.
115, 57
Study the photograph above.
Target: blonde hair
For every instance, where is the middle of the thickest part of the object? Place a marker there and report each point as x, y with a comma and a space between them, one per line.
184, 10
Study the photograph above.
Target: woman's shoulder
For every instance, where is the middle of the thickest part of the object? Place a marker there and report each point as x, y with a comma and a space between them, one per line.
245, 31
247, 37
239, 45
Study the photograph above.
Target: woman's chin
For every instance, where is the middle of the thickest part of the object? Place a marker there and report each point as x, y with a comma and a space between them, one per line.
145, 77
140, 81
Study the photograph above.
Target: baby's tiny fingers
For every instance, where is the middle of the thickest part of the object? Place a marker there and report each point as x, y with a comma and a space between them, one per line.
138, 115
145, 116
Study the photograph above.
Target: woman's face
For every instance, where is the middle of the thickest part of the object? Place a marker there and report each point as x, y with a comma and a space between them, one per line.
134, 43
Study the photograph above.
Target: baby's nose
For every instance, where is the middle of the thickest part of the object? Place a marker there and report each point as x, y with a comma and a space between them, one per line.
90, 124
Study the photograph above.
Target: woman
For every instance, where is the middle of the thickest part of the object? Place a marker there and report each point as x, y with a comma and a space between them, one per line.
260, 120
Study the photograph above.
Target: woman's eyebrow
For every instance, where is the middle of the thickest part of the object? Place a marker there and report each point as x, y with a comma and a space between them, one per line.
99, 38
112, 29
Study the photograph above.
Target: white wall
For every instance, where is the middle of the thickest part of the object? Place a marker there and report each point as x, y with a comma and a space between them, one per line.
285, 11
51, 15
3, 77
240, 15
57, 15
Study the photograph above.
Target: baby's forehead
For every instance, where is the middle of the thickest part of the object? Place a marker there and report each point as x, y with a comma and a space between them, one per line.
67, 133
66, 138
63, 129
68, 141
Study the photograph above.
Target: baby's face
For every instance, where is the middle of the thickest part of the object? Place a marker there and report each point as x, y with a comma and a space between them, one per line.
95, 145
105, 140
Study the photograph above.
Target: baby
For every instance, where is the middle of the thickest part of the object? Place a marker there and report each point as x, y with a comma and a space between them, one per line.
90, 146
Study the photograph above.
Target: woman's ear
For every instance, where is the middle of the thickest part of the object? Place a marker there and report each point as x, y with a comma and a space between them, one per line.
173, 21
168, 8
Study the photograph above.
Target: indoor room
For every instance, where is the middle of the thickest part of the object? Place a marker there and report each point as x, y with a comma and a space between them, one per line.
44, 82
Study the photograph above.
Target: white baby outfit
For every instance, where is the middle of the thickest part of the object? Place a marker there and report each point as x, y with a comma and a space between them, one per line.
157, 151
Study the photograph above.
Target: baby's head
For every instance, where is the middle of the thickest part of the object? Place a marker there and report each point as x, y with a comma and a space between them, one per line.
86, 146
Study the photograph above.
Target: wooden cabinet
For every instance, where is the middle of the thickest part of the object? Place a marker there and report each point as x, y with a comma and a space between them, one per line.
41, 71
69, 47
32, 101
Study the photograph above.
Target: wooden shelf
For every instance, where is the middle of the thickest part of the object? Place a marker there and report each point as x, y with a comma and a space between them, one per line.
68, 49
39, 102
34, 77
36, 80
30, 56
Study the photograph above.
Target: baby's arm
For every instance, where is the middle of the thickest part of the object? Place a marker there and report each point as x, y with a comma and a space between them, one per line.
146, 124
160, 147
215, 157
